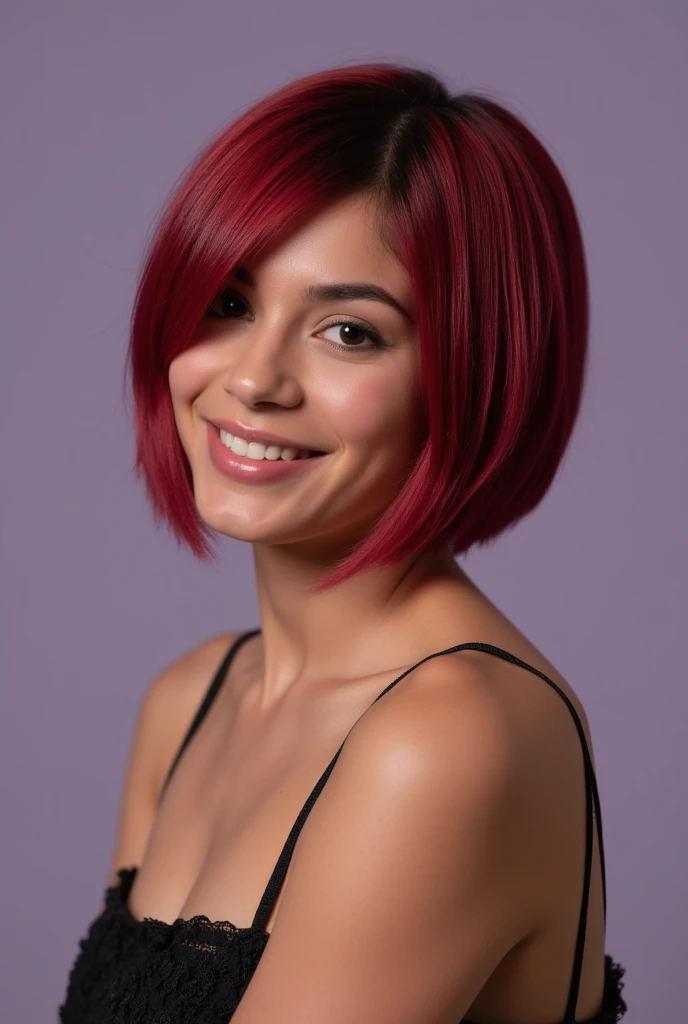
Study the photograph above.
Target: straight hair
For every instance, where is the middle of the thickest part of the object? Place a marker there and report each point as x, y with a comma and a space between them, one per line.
478, 213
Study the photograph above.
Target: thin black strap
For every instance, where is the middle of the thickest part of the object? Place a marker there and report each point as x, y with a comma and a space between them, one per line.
210, 696
278, 875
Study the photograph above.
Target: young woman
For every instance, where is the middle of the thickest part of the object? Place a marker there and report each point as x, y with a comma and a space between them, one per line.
358, 344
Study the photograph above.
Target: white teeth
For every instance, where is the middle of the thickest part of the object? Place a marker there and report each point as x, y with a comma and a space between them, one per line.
239, 446
256, 450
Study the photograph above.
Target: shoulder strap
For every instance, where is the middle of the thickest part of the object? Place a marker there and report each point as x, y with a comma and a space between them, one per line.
208, 699
278, 875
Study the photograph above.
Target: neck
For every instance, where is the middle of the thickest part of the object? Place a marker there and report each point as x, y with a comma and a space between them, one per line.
356, 628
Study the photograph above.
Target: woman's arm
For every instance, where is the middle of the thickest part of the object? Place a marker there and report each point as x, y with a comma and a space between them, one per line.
414, 874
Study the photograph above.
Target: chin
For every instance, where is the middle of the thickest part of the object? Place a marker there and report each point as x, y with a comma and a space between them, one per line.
250, 527
229, 525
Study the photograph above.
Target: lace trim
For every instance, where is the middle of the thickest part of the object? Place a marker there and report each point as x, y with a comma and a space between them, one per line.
613, 1003
194, 970
128, 970
202, 933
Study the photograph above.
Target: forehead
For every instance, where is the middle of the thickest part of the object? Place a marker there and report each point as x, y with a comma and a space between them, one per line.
338, 242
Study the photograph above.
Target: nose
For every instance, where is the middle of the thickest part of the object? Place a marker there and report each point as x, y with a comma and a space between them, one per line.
262, 371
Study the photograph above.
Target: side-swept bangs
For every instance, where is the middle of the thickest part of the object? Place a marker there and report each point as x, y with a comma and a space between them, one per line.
478, 213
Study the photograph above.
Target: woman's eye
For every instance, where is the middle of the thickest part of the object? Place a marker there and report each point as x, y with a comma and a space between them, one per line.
346, 334
349, 335
226, 306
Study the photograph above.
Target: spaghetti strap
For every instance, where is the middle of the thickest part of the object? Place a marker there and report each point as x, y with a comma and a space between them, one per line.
208, 699
279, 873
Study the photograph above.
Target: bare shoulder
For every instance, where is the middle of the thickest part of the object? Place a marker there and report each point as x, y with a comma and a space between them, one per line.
444, 724
172, 698
520, 688
493, 712
438, 748
465, 742
457, 741
166, 710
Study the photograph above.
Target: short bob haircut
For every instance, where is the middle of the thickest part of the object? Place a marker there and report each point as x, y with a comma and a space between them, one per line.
477, 212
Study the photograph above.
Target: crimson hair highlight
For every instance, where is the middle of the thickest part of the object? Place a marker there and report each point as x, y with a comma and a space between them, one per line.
478, 213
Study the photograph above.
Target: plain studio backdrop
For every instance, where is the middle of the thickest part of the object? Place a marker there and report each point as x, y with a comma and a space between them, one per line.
103, 106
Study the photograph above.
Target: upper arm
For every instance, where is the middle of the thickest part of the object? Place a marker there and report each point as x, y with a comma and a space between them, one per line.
164, 715
404, 890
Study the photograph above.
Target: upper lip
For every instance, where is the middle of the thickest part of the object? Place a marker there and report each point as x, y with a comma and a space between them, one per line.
262, 436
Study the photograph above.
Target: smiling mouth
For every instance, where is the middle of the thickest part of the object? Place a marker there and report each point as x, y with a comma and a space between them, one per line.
259, 452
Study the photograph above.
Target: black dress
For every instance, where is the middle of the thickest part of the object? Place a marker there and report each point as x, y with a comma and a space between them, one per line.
195, 971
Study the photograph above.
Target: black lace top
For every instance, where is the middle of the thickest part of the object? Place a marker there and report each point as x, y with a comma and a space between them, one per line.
195, 971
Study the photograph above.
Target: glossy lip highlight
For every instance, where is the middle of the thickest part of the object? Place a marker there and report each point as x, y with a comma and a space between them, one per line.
262, 436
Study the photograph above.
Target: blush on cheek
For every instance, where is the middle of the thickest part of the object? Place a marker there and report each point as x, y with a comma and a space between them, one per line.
369, 411
186, 376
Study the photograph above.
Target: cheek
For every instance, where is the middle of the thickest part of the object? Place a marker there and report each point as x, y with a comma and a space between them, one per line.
376, 408
187, 376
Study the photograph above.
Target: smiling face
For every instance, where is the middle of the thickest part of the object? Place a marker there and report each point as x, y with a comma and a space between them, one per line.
336, 375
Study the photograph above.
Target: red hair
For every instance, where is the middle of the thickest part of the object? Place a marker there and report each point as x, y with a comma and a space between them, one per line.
477, 212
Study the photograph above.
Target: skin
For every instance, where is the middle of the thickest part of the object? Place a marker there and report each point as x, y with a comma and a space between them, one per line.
442, 865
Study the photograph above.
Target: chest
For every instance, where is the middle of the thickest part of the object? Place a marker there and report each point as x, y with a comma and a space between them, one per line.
233, 798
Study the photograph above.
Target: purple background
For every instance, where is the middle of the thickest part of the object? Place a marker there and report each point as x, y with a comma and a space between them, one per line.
104, 104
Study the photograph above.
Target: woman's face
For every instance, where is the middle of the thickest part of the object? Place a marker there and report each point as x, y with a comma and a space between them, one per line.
276, 355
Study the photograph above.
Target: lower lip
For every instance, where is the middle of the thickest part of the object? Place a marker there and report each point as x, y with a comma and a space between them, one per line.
236, 467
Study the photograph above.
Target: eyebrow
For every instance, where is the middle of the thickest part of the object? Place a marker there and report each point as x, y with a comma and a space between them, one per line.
329, 292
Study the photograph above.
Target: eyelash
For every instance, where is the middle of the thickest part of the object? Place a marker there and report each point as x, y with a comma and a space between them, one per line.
377, 341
